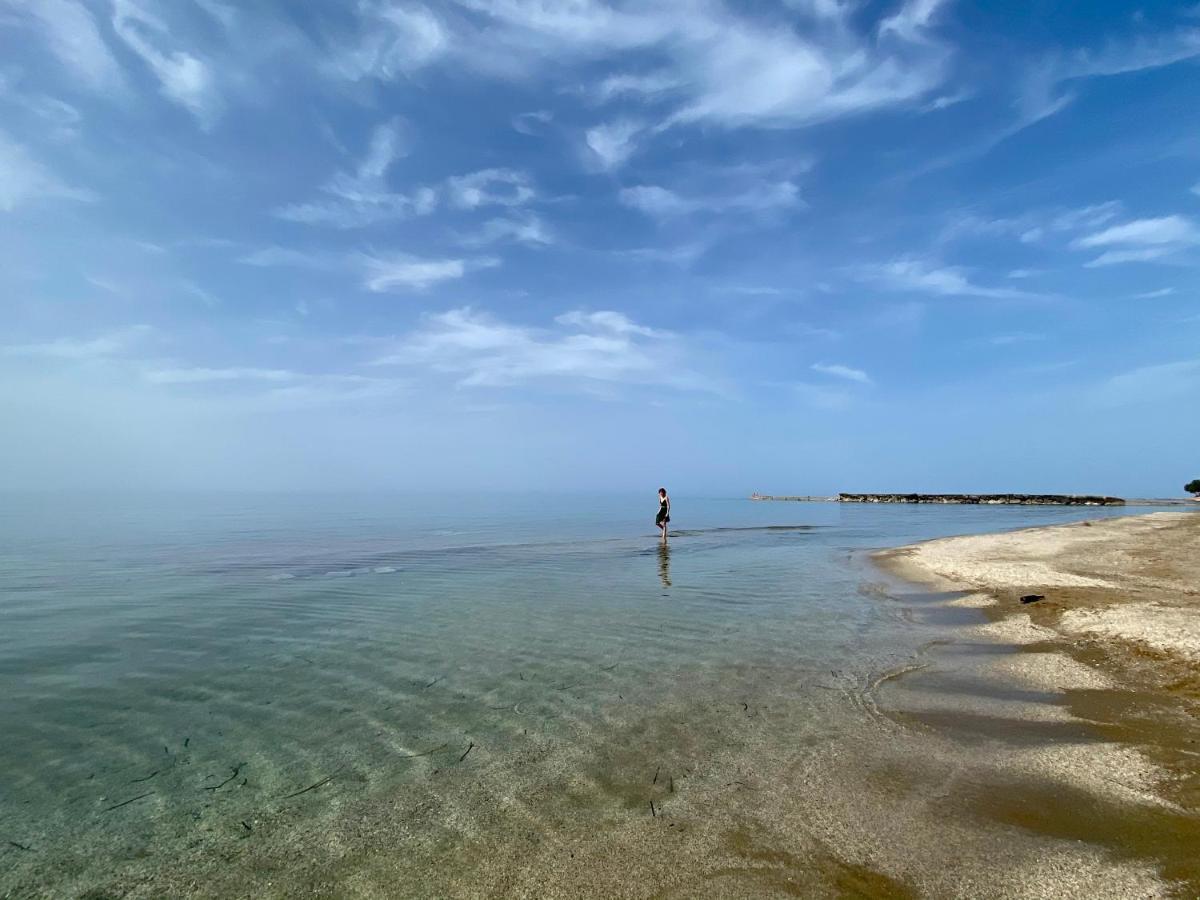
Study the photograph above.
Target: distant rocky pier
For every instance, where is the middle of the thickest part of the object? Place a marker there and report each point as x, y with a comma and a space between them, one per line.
993, 499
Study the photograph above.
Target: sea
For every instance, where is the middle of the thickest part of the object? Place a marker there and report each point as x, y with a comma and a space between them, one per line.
183, 675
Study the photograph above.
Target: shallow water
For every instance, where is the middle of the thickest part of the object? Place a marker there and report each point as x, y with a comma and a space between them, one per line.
177, 670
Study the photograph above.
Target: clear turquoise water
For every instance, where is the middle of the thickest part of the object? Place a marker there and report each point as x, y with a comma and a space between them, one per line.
170, 666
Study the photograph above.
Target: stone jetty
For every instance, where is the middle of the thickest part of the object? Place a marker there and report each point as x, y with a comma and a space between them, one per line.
997, 499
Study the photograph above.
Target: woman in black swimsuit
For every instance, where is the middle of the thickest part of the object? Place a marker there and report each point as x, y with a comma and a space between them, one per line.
664, 512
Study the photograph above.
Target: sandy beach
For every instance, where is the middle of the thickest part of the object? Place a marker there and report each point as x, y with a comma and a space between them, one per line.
1115, 636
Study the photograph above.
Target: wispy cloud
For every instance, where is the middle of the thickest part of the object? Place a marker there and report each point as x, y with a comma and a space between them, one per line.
1016, 337
528, 229
479, 350
1141, 240
267, 257
489, 187
612, 143
112, 343
1051, 85
73, 36
353, 199
532, 123
1154, 295
663, 203
837, 370
58, 120
653, 84
921, 276
201, 375
361, 197
1151, 384
1032, 227
912, 20
379, 272
682, 254
404, 272
23, 179
392, 40
183, 77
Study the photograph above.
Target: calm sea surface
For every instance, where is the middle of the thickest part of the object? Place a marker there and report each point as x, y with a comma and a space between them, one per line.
174, 668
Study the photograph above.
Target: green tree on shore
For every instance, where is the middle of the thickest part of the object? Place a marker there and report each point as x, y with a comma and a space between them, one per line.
1193, 487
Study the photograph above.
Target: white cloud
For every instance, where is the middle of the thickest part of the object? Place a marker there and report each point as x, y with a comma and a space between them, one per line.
379, 272
58, 120
285, 256
683, 254
404, 272
1154, 295
839, 371
489, 187
23, 179
1047, 87
73, 37
713, 62
613, 143
1153, 384
1113, 257
251, 388
200, 375
651, 85
759, 196
912, 20
1141, 240
479, 350
1164, 230
394, 39
528, 229
184, 78
362, 197
105, 345
607, 320
912, 274
1017, 337
1032, 227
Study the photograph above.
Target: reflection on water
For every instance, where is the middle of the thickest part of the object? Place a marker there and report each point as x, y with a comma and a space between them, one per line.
178, 672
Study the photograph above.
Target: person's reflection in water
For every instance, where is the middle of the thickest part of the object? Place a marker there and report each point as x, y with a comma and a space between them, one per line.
664, 563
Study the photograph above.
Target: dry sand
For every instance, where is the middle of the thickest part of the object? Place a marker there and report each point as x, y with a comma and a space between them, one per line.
1132, 581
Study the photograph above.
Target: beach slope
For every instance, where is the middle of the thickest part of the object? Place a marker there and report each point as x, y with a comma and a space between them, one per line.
1132, 584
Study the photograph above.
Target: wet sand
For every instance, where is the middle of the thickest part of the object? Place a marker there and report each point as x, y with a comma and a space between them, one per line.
997, 756
1116, 639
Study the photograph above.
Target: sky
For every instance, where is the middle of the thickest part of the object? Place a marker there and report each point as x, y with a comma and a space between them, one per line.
792, 247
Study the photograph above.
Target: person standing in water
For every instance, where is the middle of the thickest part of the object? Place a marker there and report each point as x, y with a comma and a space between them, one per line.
664, 512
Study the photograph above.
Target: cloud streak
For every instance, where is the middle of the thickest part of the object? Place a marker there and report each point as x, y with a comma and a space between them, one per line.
1141, 240
25, 180
183, 78
920, 276
847, 373
604, 347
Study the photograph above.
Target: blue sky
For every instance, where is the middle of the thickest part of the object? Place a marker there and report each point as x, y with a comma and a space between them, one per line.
799, 246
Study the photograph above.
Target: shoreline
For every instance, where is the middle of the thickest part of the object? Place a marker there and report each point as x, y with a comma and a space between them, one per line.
1113, 642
